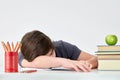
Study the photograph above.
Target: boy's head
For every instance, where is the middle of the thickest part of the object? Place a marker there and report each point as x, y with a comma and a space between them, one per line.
34, 44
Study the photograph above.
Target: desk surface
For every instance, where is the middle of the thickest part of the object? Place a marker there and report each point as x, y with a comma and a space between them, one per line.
62, 75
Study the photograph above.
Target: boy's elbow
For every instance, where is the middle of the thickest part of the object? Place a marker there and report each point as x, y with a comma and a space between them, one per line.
95, 62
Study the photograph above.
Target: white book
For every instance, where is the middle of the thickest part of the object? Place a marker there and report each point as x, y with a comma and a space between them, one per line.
108, 64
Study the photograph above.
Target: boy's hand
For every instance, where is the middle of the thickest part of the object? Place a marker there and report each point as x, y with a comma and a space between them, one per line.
77, 65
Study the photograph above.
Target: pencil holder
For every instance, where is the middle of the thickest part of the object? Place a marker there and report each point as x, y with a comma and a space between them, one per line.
11, 61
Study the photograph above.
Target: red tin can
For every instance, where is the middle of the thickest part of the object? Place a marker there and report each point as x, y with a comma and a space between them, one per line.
11, 62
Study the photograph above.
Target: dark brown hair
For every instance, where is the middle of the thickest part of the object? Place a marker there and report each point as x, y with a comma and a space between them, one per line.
34, 44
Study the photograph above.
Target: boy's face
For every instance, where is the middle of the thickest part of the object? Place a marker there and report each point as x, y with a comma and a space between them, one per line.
51, 53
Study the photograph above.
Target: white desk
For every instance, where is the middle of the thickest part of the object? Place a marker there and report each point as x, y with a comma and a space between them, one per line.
62, 75
47, 74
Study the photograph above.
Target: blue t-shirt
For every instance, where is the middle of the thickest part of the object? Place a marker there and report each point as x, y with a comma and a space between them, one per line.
62, 49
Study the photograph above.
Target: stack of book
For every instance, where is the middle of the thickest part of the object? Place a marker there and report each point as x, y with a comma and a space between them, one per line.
108, 57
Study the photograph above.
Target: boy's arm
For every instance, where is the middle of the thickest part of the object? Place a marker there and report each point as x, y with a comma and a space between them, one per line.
49, 62
42, 62
92, 59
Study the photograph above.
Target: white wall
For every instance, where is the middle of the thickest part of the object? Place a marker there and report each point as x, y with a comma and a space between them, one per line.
84, 23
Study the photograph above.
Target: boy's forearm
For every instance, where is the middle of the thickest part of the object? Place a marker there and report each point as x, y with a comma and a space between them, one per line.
43, 62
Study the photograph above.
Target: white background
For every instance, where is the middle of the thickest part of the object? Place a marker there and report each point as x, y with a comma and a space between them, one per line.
84, 23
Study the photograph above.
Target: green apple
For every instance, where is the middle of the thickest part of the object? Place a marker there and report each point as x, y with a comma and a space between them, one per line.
111, 39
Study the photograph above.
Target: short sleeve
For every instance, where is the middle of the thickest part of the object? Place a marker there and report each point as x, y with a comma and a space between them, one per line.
66, 50
72, 50
20, 58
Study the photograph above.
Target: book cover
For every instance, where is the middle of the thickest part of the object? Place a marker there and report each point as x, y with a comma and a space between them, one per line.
108, 56
108, 48
107, 52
